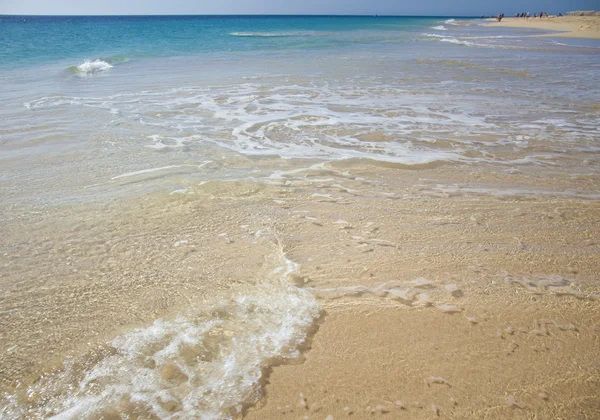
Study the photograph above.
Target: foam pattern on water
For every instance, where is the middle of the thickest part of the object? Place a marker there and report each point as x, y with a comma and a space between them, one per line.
204, 364
275, 34
335, 121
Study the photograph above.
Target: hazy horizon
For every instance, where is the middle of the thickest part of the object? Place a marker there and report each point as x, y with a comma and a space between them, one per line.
241, 14
462, 8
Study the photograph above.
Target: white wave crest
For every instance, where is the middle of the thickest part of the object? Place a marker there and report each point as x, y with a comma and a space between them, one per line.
90, 67
451, 22
462, 41
435, 35
267, 34
452, 40
459, 42
439, 28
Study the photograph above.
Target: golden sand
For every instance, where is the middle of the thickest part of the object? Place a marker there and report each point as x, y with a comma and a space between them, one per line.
475, 342
570, 26
497, 317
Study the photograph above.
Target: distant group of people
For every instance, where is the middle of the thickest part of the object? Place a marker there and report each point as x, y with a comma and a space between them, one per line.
521, 15
526, 15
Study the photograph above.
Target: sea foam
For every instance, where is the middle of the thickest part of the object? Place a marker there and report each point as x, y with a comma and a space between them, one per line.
90, 67
269, 34
206, 363
458, 42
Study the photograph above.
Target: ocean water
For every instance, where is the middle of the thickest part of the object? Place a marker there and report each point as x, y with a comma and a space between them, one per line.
104, 110
131, 94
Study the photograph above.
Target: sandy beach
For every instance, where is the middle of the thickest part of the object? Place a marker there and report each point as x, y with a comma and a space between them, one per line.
480, 335
570, 26
433, 303
332, 220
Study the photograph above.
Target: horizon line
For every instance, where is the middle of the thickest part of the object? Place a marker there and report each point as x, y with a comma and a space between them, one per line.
234, 14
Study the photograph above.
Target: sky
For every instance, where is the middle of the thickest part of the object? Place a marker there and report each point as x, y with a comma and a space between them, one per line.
333, 7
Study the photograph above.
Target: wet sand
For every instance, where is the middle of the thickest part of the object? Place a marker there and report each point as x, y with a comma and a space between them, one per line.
476, 340
570, 26
457, 304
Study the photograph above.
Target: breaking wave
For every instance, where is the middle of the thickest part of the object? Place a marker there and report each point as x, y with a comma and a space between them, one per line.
270, 34
459, 42
207, 363
89, 67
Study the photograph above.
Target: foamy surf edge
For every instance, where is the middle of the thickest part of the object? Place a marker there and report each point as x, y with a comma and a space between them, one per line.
90, 67
264, 34
206, 364
98, 65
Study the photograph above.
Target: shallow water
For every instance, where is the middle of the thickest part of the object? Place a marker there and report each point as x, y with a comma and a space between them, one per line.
392, 89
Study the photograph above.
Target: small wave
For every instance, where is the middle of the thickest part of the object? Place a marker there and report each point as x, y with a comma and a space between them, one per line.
268, 34
436, 35
90, 67
450, 22
495, 37
452, 40
459, 42
574, 45
439, 28
96, 66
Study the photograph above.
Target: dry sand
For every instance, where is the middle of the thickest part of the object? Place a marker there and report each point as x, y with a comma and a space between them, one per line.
571, 26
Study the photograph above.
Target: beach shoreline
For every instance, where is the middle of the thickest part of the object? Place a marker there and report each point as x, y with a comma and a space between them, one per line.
467, 337
452, 303
569, 26
300, 225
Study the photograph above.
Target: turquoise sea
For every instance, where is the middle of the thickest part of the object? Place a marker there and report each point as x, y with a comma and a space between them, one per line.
33, 41
101, 112
152, 86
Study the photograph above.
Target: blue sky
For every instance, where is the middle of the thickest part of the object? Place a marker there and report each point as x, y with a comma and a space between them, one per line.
382, 7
